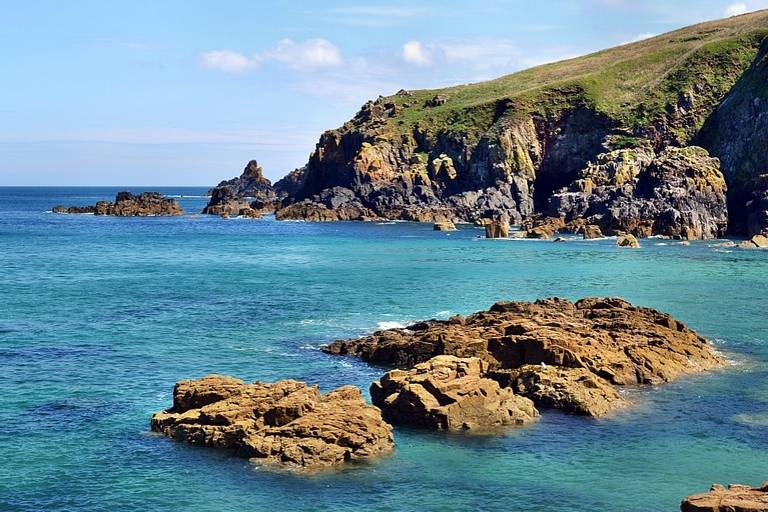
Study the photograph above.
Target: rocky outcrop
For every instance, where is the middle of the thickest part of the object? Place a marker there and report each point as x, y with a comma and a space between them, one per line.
287, 422
624, 152
496, 224
250, 194
450, 393
146, 204
607, 339
679, 193
734, 498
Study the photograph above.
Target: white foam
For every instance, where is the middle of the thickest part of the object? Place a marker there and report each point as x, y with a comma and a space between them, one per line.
390, 325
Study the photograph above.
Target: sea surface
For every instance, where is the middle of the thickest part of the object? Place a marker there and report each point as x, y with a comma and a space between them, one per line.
100, 316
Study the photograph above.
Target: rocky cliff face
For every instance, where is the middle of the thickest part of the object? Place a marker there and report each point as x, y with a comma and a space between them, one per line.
250, 194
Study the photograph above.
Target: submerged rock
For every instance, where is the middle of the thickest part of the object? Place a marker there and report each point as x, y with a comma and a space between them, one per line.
146, 204
287, 422
735, 498
450, 393
608, 340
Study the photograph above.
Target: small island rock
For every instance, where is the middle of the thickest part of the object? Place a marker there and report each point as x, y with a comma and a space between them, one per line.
287, 422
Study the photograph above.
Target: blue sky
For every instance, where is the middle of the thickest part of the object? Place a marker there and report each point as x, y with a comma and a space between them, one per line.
168, 92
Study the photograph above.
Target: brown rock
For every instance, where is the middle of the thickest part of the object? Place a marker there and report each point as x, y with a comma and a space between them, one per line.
591, 232
756, 242
575, 390
444, 226
450, 393
736, 498
609, 337
627, 241
146, 204
496, 224
543, 228
287, 422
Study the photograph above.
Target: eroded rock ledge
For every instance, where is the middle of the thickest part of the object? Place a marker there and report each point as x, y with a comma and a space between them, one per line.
146, 204
450, 393
288, 422
737, 498
557, 353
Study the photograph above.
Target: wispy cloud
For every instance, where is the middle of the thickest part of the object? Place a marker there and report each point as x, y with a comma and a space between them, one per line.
375, 15
304, 55
736, 9
415, 53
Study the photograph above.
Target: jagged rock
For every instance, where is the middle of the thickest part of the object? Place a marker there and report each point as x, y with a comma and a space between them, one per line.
756, 242
543, 228
287, 422
250, 191
146, 204
736, 498
444, 226
615, 341
575, 390
591, 232
496, 224
449, 393
679, 193
627, 241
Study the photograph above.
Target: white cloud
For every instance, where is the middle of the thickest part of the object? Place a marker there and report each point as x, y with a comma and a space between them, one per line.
375, 15
226, 60
640, 37
736, 9
309, 54
306, 55
415, 53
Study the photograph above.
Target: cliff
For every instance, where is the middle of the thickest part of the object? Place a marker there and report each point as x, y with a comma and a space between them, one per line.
509, 145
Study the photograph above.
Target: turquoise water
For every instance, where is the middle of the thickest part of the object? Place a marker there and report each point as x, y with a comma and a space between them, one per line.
99, 317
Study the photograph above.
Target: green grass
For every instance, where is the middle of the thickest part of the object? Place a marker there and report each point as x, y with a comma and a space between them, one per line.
633, 84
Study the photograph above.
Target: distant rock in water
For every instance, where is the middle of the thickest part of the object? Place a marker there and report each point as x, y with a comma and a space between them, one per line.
557, 353
736, 498
146, 204
250, 194
287, 422
450, 393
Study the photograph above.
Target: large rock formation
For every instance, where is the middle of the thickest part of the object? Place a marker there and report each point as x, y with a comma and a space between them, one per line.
250, 194
512, 143
735, 498
536, 348
146, 204
679, 193
450, 393
287, 422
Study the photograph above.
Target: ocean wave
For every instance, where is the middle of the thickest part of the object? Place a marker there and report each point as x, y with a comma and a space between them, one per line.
184, 196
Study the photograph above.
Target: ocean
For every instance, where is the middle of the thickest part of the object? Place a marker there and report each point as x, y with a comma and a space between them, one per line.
100, 316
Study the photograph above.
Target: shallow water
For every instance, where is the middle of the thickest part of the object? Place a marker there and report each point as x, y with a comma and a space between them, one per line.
101, 316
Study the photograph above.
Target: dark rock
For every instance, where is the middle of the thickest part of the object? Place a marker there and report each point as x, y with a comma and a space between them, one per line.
146, 204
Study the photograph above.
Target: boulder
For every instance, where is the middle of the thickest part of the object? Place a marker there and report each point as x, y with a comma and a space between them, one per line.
575, 390
627, 240
450, 393
591, 232
735, 498
617, 343
146, 204
444, 226
756, 242
286, 422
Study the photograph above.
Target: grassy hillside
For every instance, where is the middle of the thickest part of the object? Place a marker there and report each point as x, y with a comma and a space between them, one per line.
632, 84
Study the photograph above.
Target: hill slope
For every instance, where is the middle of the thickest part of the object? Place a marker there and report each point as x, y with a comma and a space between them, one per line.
514, 143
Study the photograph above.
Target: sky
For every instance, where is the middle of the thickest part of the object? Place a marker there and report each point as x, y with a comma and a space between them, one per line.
185, 92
